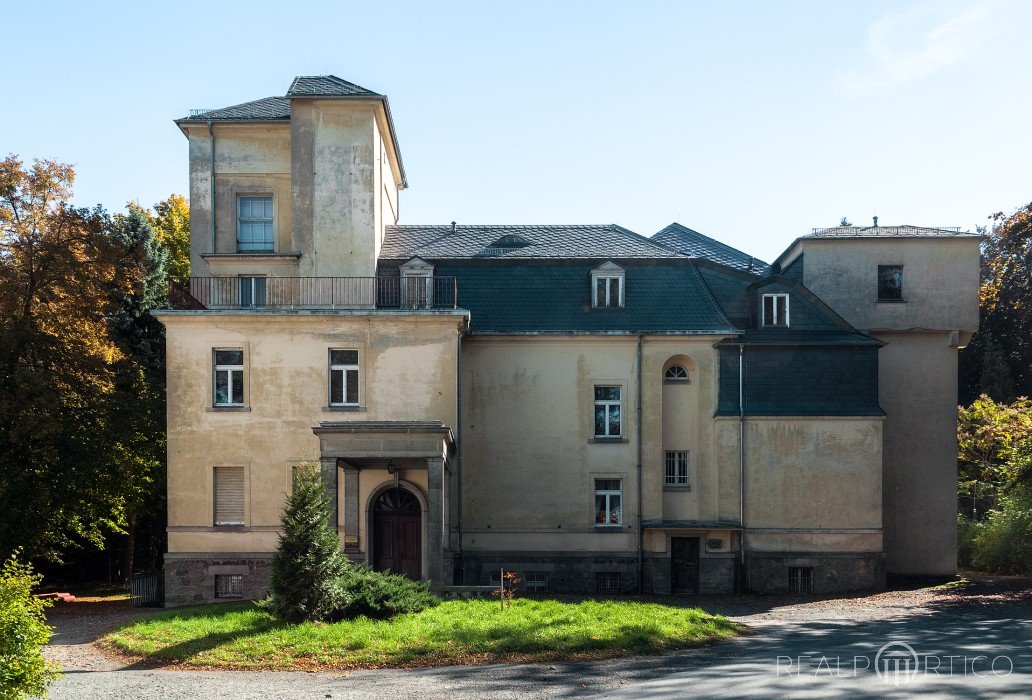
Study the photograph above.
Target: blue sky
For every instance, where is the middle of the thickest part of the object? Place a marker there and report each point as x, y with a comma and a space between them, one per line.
749, 121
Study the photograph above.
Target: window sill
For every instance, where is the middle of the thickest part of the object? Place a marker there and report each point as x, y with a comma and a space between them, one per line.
613, 440
608, 528
344, 409
892, 301
250, 254
677, 381
228, 409
231, 528
677, 487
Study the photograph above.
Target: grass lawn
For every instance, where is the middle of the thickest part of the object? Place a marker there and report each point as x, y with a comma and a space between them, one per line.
242, 636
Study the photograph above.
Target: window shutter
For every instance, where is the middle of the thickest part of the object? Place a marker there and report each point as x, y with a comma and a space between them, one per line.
229, 495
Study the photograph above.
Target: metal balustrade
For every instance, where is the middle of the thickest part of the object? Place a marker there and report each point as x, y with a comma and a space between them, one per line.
402, 293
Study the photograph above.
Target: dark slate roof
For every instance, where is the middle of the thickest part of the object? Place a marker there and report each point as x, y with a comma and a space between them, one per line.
265, 109
904, 231
537, 296
697, 245
584, 242
326, 86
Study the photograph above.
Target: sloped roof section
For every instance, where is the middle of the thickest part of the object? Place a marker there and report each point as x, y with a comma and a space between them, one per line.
326, 86
904, 231
576, 242
695, 244
265, 109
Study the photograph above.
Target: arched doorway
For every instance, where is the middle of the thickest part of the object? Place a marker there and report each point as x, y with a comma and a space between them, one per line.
397, 539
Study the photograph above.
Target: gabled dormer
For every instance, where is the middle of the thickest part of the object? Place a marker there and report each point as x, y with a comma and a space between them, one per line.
607, 286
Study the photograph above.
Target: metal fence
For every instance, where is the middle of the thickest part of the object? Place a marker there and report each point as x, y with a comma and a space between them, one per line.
406, 293
144, 589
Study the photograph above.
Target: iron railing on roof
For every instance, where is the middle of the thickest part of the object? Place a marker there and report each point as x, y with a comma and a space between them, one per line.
403, 293
888, 230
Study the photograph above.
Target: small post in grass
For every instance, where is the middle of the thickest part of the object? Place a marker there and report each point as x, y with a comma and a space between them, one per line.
501, 595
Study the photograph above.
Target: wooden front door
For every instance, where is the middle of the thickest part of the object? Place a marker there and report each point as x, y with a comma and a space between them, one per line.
684, 564
397, 534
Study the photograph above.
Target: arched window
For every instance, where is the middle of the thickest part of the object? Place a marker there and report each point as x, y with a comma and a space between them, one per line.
675, 373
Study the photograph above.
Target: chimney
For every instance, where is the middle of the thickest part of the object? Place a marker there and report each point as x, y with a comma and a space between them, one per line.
876, 222
453, 228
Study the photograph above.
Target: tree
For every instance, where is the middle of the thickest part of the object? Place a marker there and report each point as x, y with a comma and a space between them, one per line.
998, 361
58, 270
304, 580
171, 220
994, 451
845, 222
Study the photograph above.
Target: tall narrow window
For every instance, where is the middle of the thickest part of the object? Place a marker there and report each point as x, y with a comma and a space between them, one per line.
252, 291
608, 502
607, 411
343, 377
775, 310
890, 282
254, 225
228, 384
677, 468
229, 495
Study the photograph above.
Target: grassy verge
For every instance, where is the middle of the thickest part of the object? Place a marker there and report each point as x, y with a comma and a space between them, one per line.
241, 636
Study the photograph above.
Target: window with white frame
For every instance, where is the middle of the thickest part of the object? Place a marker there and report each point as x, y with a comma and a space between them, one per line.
252, 291
775, 310
228, 377
675, 373
607, 286
255, 225
676, 468
229, 586
343, 377
608, 415
228, 483
608, 502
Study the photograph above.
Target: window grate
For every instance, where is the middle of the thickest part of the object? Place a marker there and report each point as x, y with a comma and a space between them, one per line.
800, 579
607, 582
229, 586
677, 468
535, 581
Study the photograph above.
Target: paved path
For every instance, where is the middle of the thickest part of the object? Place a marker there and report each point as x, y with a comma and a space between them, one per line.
812, 649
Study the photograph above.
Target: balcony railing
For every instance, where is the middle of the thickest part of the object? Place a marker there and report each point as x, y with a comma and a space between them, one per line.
404, 293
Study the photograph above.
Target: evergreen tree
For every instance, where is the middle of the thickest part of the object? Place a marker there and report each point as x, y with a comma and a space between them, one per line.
307, 567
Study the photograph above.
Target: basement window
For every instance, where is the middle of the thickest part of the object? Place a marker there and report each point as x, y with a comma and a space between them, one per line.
800, 579
229, 586
775, 310
535, 582
607, 582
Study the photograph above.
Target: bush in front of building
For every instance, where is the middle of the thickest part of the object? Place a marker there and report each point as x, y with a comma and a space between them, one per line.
23, 632
1002, 543
379, 595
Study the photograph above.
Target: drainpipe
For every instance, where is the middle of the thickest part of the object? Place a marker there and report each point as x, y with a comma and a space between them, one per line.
211, 133
458, 455
641, 563
741, 461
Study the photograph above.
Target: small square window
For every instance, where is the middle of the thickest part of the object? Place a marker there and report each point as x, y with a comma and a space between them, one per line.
229, 586
890, 282
607, 582
800, 579
535, 581
775, 310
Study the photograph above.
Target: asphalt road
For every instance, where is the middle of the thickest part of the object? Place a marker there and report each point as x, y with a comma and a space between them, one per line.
972, 648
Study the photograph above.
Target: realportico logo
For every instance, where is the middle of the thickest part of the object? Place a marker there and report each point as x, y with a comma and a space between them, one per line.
896, 663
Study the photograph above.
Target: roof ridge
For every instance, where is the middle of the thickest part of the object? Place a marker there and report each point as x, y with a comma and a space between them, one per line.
645, 239
711, 240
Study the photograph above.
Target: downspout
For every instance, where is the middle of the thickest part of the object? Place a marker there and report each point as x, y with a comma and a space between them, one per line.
641, 563
211, 133
458, 457
741, 463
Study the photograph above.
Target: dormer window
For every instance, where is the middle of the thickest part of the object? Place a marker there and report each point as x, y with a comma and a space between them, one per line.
775, 310
607, 286
511, 241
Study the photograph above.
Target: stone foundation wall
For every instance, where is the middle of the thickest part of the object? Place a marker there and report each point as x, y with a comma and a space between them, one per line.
568, 572
832, 573
190, 580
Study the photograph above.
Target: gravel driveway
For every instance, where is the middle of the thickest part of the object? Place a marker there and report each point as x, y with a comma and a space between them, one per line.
790, 636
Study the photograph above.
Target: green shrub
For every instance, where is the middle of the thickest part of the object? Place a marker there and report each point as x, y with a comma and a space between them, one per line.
306, 568
379, 595
967, 530
23, 632
1003, 541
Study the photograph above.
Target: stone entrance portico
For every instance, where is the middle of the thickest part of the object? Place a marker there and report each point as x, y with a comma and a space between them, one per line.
360, 459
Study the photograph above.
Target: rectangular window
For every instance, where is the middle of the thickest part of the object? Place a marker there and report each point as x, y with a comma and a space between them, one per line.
535, 581
228, 384
890, 282
775, 310
608, 292
254, 225
676, 468
607, 411
229, 495
252, 291
607, 582
608, 503
800, 579
343, 377
229, 586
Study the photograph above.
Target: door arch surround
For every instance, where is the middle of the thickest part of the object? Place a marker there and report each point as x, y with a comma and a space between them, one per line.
370, 521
